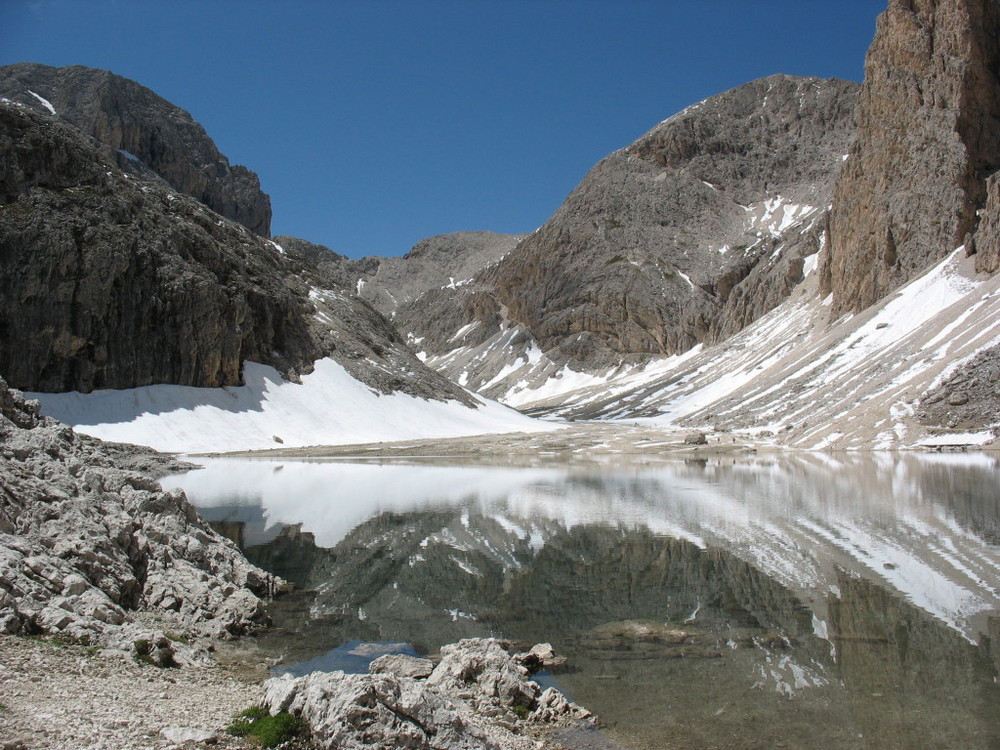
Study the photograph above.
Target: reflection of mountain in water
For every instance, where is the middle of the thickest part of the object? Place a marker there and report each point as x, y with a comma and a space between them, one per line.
924, 526
669, 641
817, 601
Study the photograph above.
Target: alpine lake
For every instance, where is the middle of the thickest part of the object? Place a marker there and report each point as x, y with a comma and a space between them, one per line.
782, 601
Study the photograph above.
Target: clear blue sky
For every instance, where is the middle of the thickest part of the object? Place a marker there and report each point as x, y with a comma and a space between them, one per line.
373, 124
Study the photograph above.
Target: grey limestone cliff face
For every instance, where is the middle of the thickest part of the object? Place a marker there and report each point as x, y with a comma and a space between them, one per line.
112, 280
142, 133
446, 261
685, 236
429, 293
928, 140
672, 241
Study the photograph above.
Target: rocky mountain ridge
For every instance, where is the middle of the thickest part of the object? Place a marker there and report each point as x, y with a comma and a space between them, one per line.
143, 134
683, 237
124, 282
670, 241
724, 219
919, 180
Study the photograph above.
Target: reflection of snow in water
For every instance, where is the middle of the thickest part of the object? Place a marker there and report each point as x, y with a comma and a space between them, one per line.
797, 519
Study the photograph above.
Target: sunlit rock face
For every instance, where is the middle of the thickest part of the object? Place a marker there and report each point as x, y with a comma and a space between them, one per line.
928, 138
683, 236
688, 234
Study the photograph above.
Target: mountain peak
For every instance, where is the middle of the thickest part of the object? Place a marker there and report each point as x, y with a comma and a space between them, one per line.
142, 132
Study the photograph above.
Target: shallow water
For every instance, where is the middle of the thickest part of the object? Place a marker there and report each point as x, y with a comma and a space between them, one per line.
793, 601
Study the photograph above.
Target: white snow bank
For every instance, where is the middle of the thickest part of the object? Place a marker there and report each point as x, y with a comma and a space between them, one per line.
958, 439
328, 407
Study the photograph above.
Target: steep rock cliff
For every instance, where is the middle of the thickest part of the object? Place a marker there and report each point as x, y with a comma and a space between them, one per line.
928, 138
142, 133
115, 281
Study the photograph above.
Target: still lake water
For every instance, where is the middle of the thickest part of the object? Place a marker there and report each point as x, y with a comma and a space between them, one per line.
806, 601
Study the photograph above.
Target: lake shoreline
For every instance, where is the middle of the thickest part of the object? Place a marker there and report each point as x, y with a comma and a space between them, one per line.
583, 442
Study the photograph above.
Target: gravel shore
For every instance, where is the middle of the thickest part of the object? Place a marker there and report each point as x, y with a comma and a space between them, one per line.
65, 697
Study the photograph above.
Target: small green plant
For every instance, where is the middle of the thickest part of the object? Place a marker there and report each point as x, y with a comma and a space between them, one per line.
616, 259
3, 708
269, 731
521, 711
177, 638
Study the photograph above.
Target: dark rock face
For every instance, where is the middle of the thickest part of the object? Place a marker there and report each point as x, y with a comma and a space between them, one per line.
986, 242
114, 281
142, 133
111, 282
928, 138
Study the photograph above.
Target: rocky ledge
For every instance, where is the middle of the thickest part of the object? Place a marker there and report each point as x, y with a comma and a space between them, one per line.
85, 545
477, 696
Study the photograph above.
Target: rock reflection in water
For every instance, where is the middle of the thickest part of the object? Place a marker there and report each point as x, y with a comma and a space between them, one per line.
701, 605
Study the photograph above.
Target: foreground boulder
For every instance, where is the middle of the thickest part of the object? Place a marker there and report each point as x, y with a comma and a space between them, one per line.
478, 696
85, 545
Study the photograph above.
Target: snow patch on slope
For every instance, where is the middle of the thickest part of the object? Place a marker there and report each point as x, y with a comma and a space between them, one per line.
328, 407
44, 102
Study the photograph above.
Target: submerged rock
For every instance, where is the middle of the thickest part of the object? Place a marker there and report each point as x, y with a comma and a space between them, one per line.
478, 696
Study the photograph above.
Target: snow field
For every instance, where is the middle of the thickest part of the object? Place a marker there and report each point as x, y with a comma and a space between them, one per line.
328, 407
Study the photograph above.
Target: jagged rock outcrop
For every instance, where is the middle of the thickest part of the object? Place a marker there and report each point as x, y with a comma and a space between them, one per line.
986, 242
85, 545
444, 262
928, 138
478, 696
142, 133
116, 282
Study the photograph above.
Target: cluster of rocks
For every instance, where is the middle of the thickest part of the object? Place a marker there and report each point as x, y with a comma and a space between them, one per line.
85, 545
967, 399
478, 696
